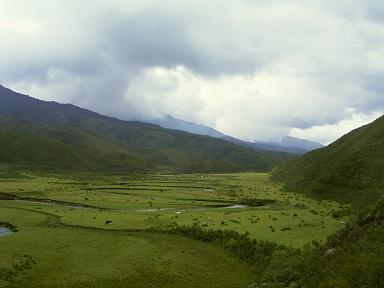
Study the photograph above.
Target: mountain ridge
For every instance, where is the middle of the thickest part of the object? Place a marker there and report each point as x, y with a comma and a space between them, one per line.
287, 144
149, 147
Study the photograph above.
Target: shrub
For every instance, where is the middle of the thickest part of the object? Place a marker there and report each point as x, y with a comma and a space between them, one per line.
254, 252
254, 202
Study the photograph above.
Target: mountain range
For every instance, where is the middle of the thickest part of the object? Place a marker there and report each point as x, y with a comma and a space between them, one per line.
49, 134
286, 144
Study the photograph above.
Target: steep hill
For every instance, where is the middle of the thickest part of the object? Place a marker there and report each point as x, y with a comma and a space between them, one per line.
41, 146
92, 141
350, 169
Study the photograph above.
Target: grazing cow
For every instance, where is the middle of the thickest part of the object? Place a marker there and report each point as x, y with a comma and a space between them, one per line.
294, 215
107, 222
85, 198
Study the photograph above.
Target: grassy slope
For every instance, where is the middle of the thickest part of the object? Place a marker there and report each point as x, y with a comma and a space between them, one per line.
353, 257
64, 147
39, 151
357, 258
151, 146
350, 169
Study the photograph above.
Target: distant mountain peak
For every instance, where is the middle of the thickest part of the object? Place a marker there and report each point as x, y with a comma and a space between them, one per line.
173, 123
285, 144
300, 143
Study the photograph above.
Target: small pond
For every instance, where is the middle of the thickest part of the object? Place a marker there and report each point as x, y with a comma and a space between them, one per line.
4, 231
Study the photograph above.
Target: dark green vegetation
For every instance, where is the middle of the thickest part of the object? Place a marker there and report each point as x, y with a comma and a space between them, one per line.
354, 256
48, 135
348, 170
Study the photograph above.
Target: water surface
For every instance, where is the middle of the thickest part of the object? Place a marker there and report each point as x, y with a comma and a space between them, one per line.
4, 231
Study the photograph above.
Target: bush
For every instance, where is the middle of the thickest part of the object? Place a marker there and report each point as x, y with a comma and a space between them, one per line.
254, 202
254, 252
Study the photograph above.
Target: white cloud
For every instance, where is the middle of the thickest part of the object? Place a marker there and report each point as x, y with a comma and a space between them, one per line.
252, 69
248, 107
325, 133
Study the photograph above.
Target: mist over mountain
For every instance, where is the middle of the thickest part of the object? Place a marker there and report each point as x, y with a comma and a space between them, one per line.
285, 144
294, 144
289, 141
170, 122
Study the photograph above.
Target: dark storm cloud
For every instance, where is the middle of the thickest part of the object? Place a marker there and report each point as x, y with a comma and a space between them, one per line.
165, 38
150, 39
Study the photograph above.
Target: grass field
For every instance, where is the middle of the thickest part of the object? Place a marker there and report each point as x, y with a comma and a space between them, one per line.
64, 241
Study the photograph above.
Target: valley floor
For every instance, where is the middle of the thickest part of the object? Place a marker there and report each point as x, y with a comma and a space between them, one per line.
104, 231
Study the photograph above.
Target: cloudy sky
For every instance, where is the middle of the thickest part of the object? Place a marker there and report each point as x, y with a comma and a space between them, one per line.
254, 69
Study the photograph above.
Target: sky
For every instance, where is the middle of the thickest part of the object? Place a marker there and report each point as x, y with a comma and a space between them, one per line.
253, 69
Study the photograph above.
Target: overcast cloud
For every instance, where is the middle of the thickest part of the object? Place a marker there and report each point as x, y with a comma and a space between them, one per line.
251, 69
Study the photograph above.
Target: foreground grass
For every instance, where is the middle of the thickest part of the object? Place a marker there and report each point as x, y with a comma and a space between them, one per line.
78, 257
63, 240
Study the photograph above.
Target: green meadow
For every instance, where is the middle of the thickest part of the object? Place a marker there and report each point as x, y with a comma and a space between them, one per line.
89, 230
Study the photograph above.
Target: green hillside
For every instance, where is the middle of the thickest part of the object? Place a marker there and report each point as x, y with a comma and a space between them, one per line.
83, 139
63, 148
353, 257
350, 169
39, 151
